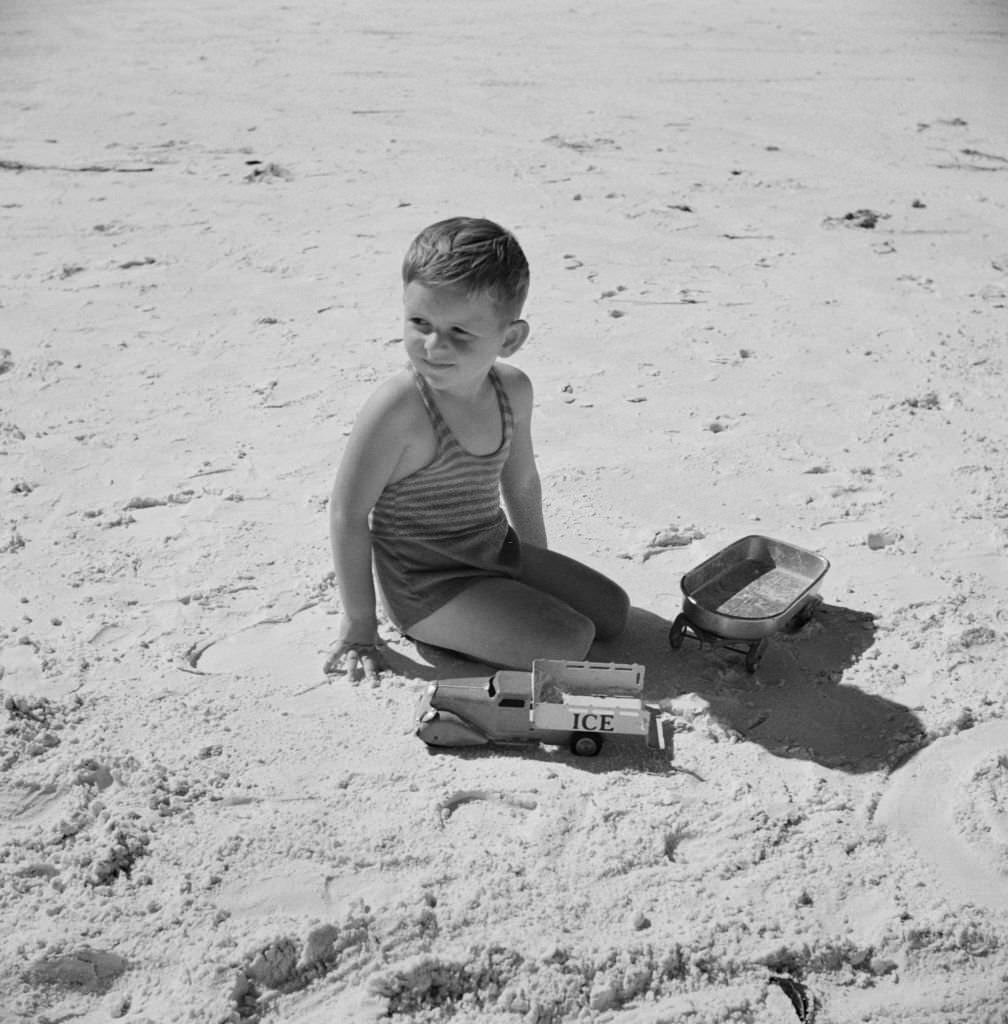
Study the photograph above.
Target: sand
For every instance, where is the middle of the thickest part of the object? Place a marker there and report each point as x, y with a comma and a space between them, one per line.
770, 296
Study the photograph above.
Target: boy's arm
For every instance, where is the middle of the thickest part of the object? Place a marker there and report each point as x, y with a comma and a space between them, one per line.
373, 451
520, 484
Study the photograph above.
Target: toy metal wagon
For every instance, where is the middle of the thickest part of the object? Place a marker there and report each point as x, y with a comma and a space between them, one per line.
746, 592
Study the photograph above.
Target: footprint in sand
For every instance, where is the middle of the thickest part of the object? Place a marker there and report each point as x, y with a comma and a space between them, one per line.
31, 801
951, 803
449, 804
283, 645
84, 969
981, 810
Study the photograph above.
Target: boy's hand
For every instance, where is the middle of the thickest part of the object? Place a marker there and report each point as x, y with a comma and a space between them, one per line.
357, 652
356, 661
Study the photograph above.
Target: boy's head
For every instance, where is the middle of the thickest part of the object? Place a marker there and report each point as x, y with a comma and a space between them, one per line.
476, 256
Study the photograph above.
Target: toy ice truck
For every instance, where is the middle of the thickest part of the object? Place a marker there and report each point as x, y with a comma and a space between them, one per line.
573, 703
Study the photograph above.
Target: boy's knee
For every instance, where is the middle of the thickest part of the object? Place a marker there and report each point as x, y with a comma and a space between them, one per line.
583, 635
569, 637
614, 614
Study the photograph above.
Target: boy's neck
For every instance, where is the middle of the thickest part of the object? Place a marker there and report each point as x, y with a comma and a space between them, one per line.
467, 393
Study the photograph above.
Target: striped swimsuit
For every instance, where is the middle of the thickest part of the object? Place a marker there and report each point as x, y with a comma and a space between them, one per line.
440, 529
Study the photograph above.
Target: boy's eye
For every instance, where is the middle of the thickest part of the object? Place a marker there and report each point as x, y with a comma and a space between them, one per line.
425, 328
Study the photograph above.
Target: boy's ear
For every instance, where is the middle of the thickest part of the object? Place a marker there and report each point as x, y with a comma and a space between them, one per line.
514, 337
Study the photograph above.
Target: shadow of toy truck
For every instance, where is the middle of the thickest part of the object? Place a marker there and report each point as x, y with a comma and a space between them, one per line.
572, 703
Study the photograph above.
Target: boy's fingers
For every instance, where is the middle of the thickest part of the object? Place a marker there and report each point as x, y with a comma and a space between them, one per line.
353, 661
335, 662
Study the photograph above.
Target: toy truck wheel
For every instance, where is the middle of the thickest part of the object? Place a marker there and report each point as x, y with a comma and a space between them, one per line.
755, 655
677, 632
584, 744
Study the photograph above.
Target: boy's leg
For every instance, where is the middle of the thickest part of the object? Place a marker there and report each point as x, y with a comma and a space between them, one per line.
584, 589
504, 622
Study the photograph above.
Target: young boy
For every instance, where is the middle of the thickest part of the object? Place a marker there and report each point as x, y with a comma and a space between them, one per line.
418, 493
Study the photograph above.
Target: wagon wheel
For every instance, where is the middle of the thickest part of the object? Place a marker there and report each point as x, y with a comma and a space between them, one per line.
584, 744
805, 615
677, 632
755, 655
808, 612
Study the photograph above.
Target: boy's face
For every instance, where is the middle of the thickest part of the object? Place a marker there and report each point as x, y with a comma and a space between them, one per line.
453, 338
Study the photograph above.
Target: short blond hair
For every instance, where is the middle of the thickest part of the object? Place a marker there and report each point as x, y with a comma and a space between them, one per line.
473, 254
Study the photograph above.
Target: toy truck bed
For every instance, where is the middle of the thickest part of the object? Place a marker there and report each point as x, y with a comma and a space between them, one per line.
588, 714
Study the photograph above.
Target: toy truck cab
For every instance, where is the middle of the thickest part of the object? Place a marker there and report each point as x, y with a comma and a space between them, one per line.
474, 711
562, 702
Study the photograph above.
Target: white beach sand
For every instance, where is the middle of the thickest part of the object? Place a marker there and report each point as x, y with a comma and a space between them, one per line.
770, 295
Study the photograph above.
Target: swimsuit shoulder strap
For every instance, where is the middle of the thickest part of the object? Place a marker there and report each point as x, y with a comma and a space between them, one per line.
504, 403
441, 429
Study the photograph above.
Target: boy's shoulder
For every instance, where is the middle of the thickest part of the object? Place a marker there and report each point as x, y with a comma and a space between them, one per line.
396, 403
515, 382
511, 374
397, 388
513, 378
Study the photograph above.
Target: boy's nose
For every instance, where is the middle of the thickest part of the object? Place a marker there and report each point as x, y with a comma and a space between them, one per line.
434, 340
